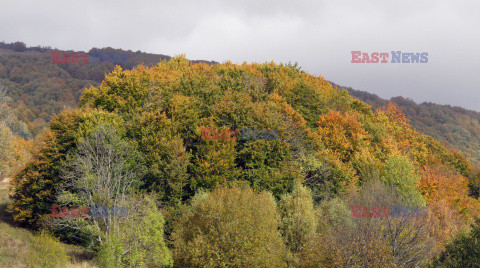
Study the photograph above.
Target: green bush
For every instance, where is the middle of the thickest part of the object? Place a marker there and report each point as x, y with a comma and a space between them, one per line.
464, 251
299, 222
230, 227
137, 240
399, 173
47, 251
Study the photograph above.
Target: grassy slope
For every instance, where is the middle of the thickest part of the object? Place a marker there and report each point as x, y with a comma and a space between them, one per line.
15, 241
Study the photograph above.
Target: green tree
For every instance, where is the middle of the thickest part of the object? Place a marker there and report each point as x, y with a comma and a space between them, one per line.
299, 222
230, 227
36, 186
137, 245
464, 251
399, 173
6, 149
165, 156
104, 170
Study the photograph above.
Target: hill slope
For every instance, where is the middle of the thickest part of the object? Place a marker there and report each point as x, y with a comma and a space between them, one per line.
457, 127
39, 89
326, 137
179, 129
16, 243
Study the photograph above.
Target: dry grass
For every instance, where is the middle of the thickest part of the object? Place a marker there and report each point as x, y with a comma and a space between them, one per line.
4, 183
15, 241
14, 245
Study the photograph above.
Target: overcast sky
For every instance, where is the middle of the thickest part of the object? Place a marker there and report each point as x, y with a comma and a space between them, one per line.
319, 35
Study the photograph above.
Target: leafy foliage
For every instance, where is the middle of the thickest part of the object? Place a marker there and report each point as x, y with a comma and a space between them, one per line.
398, 172
299, 223
137, 245
331, 142
162, 109
47, 252
41, 89
230, 227
458, 128
104, 171
372, 241
464, 251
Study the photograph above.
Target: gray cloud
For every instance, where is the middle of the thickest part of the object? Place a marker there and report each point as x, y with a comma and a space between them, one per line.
317, 34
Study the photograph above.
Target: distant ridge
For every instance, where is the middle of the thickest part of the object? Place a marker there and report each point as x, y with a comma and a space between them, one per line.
457, 127
40, 89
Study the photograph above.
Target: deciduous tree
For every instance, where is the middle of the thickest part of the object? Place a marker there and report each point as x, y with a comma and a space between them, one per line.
230, 227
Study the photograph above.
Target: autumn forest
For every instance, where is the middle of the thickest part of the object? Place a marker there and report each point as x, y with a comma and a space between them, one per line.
341, 179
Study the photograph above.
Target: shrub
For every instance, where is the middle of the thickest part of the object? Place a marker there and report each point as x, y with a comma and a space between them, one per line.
47, 251
464, 251
230, 227
137, 245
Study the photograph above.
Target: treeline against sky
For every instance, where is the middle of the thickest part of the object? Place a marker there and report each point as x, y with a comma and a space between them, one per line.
459, 128
40, 89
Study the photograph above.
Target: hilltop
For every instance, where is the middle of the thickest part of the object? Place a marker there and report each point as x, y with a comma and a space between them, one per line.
155, 139
40, 89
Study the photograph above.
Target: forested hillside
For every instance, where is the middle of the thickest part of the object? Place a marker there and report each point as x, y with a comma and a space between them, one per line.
40, 89
138, 140
459, 128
